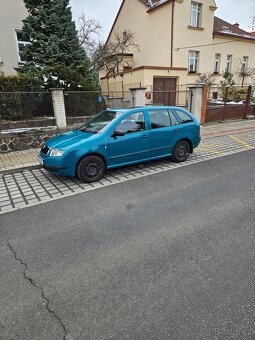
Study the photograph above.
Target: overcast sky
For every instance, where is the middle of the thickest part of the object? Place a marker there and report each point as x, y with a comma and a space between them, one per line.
105, 11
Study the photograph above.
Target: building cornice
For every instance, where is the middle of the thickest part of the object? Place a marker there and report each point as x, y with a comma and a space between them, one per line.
146, 67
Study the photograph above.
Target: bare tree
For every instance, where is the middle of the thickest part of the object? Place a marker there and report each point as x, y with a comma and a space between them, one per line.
246, 73
89, 31
242, 72
116, 52
206, 79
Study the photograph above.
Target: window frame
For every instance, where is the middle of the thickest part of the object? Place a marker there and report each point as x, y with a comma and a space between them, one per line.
245, 60
229, 63
20, 42
197, 12
195, 59
217, 62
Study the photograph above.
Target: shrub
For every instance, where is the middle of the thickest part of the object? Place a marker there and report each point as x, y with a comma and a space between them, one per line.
19, 83
236, 94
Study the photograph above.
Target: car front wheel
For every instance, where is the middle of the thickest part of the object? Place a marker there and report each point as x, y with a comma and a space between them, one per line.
181, 151
91, 169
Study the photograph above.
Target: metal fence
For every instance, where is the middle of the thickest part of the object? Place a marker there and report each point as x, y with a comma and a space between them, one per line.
168, 98
119, 89
83, 103
25, 105
234, 102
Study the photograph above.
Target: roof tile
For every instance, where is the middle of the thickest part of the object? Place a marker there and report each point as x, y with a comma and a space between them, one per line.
225, 28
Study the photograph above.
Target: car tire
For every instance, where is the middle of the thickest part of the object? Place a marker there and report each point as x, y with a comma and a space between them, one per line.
91, 169
181, 151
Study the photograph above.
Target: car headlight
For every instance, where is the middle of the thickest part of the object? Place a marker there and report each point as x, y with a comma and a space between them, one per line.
56, 153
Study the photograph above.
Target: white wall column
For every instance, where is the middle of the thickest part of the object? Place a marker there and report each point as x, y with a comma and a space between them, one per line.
138, 96
195, 100
59, 107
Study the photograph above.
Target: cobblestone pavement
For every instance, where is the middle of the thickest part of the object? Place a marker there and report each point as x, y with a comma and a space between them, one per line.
32, 187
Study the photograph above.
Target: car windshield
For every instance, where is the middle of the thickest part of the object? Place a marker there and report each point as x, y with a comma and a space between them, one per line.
100, 121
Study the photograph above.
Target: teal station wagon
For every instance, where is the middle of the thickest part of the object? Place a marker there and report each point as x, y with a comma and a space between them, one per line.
118, 137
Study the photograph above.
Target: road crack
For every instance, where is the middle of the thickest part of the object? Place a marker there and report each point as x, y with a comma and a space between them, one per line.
38, 287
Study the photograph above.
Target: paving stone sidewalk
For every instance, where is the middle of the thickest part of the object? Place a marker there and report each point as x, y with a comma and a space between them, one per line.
27, 159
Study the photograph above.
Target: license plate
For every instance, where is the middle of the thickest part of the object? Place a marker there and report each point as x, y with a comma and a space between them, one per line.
40, 160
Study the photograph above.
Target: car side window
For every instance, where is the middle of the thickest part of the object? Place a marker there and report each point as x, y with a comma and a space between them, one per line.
133, 123
159, 119
174, 120
183, 116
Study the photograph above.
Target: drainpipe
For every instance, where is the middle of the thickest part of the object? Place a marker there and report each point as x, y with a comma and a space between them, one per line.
172, 35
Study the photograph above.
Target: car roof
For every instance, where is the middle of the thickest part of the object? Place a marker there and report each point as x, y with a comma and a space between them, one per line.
144, 107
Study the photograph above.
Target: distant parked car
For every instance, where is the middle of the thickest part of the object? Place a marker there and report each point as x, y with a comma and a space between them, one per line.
118, 137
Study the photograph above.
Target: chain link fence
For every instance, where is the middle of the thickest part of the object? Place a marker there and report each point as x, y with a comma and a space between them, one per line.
81, 103
25, 105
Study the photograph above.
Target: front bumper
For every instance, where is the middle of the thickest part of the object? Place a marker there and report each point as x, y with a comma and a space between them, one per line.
57, 165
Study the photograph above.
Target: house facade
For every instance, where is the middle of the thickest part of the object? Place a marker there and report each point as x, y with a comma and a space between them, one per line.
179, 40
11, 38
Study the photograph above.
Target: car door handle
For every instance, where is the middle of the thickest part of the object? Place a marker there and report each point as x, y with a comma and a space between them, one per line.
177, 130
145, 136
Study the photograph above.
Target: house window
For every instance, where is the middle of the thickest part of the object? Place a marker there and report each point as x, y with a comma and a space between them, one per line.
196, 10
22, 42
244, 63
229, 63
193, 61
217, 63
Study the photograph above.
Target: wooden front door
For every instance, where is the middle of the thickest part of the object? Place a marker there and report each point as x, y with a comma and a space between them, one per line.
164, 91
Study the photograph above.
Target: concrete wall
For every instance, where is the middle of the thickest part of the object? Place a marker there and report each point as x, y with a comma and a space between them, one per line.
11, 15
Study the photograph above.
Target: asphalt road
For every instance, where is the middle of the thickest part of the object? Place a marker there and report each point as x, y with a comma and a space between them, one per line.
167, 256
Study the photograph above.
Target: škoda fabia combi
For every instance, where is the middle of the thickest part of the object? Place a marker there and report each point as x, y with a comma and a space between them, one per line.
119, 137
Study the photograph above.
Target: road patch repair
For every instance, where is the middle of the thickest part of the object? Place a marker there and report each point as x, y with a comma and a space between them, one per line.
36, 186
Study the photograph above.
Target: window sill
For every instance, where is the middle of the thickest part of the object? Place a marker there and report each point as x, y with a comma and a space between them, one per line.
195, 28
217, 74
191, 73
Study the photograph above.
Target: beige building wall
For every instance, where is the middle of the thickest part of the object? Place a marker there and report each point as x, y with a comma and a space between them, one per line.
238, 49
186, 37
153, 34
11, 15
152, 30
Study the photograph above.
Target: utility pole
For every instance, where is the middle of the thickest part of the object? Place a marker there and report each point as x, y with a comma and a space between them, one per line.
253, 24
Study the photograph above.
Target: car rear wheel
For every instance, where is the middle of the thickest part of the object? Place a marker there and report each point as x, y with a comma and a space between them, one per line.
181, 151
91, 169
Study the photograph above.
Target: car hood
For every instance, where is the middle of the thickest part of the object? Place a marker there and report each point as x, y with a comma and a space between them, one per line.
68, 138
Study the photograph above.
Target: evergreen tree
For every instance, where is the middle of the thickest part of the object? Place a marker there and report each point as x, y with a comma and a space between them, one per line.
55, 54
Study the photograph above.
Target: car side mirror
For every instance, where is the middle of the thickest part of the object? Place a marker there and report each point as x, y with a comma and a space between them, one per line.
118, 133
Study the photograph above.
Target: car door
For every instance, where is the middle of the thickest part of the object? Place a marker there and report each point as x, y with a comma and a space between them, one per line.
164, 132
189, 129
133, 146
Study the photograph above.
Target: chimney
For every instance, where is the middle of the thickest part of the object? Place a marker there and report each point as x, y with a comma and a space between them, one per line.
236, 25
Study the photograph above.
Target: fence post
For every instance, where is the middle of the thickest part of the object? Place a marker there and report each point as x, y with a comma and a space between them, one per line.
225, 102
195, 100
138, 96
59, 107
204, 104
248, 101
